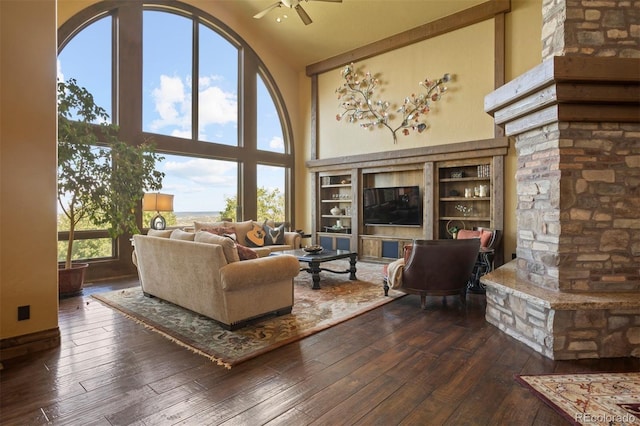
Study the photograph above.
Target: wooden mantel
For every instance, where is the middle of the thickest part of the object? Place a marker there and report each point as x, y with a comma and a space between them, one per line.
569, 89
476, 148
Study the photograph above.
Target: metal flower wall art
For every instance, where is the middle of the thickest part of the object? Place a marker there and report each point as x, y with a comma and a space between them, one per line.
358, 104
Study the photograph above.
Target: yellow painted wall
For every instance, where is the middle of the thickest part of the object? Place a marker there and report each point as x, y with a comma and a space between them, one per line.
28, 266
459, 116
523, 51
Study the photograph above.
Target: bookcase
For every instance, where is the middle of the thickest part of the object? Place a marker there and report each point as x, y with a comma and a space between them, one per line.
461, 185
465, 195
336, 200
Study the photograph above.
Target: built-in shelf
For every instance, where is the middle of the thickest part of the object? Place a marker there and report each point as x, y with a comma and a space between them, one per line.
442, 172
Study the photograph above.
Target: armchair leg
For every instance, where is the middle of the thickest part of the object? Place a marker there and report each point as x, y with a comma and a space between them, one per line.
463, 296
423, 301
386, 286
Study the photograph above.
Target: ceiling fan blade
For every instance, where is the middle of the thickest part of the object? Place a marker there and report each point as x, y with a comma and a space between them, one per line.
328, 1
267, 10
303, 15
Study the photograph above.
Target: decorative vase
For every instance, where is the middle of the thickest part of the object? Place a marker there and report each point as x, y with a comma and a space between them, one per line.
70, 281
336, 211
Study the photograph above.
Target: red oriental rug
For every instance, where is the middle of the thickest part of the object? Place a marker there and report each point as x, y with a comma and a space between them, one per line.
590, 399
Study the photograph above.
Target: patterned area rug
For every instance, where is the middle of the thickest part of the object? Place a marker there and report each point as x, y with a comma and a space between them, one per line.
590, 399
338, 300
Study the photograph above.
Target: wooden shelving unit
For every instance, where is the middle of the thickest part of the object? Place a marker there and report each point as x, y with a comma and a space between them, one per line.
442, 173
464, 195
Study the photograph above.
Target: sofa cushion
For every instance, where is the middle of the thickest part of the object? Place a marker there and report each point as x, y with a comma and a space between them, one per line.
179, 234
228, 245
273, 235
163, 233
245, 253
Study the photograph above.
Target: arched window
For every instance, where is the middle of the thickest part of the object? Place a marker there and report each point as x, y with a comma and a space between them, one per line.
179, 78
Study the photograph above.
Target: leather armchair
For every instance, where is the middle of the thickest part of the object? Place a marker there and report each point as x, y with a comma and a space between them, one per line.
435, 268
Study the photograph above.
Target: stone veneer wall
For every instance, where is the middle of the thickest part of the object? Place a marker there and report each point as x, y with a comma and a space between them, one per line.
574, 290
578, 206
603, 28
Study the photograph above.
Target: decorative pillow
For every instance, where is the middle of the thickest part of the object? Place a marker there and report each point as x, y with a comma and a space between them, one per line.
256, 236
164, 233
273, 235
228, 245
245, 253
224, 231
485, 238
179, 234
464, 234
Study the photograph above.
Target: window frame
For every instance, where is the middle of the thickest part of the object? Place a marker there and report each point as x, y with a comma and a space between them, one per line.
127, 87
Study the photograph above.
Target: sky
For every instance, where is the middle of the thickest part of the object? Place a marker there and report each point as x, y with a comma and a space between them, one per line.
197, 184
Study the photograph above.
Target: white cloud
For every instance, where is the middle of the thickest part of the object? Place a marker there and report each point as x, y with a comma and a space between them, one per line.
172, 101
201, 171
277, 144
217, 106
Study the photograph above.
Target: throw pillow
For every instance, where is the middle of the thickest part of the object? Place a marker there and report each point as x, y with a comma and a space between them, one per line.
228, 245
179, 234
255, 237
224, 231
273, 235
245, 253
485, 238
164, 233
464, 234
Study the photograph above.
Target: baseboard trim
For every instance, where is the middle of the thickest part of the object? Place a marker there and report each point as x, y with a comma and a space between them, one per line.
13, 347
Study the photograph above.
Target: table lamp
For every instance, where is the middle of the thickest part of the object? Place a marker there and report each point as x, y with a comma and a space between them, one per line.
157, 202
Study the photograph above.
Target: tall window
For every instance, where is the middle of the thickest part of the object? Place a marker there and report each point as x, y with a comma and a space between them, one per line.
182, 80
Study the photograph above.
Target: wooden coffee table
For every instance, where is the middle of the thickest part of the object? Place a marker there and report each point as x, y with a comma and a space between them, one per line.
314, 261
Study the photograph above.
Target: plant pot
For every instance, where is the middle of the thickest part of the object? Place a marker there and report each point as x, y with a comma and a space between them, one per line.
70, 281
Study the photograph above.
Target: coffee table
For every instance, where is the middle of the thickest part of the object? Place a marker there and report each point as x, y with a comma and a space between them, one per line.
314, 261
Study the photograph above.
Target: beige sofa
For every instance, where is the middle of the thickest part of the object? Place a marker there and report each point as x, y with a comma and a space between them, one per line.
204, 276
290, 240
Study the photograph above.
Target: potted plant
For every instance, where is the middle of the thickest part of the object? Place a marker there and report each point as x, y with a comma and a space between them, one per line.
100, 178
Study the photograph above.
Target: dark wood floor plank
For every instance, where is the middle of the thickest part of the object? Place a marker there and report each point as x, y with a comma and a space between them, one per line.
140, 410
397, 364
356, 406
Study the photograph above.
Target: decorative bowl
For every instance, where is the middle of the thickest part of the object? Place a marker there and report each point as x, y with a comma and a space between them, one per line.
313, 249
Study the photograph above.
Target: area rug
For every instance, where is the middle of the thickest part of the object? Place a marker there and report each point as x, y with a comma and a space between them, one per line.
590, 399
338, 300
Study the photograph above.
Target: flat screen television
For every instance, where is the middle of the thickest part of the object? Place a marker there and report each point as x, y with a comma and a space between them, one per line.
398, 205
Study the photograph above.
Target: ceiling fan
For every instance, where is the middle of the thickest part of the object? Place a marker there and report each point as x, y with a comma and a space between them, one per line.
292, 4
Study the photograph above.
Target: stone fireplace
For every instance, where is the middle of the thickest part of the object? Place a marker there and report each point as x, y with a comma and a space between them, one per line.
574, 289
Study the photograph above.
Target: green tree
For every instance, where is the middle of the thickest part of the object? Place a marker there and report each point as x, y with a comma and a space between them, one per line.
270, 205
100, 178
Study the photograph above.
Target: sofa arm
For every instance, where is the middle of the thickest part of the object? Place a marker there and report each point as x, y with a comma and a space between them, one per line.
292, 239
255, 272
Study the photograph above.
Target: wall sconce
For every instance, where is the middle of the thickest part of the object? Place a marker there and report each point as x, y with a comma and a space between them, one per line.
156, 202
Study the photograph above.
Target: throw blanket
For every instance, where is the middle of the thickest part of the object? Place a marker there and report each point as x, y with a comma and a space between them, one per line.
394, 272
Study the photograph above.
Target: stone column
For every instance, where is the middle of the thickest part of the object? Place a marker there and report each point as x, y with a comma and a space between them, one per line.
574, 290
578, 141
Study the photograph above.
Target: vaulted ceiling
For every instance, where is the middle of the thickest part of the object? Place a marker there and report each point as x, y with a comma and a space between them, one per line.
337, 27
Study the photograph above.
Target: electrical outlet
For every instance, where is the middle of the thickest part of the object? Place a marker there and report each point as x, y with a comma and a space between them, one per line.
24, 312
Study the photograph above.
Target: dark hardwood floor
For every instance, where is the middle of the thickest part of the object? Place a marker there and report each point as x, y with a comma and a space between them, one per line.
394, 365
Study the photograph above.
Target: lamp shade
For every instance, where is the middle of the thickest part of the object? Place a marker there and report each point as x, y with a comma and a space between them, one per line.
157, 202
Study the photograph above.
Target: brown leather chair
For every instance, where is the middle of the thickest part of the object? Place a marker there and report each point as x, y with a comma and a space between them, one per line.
437, 268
